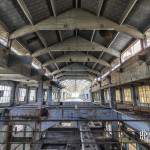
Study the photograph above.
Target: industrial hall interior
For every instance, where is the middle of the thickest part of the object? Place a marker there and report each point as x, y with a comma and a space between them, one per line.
74, 74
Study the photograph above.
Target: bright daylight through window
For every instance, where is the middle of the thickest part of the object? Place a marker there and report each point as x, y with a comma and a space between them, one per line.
76, 90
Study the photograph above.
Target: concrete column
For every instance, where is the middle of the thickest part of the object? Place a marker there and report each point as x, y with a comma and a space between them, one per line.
134, 94
102, 97
40, 92
121, 94
27, 95
9, 132
49, 95
24, 135
13, 94
114, 124
112, 92
59, 94
112, 97
101, 94
9, 137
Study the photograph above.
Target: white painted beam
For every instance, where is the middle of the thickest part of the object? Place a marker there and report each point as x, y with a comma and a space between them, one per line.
29, 17
77, 44
77, 57
76, 67
77, 19
127, 11
80, 74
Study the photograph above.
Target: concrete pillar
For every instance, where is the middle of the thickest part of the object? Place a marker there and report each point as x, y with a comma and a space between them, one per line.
24, 135
13, 94
102, 97
121, 95
59, 94
134, 95
114, 124
101, 94
9, 137
112, 93
40, 92
49, 95
27, 95
9, 132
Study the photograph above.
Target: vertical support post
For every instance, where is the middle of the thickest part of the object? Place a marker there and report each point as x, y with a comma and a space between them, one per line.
112, 93
102, 97
121, 95
91, 96
134, 95
9, 132
24, 135
40, 92
13, 95
49, 95
27, 95
9, 136
114, 124
59, 94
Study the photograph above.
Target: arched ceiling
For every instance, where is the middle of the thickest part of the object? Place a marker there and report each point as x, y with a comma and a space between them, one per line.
88, 34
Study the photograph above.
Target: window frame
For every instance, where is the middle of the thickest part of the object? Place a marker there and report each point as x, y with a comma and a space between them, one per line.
25, 97
131, 50
29, 98
129, 94
144, 92
8, 96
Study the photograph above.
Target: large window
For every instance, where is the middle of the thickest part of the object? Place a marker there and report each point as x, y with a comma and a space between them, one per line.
144, 94
5, 93
131, 51
118, 95
32, 95
22, 94
127, 95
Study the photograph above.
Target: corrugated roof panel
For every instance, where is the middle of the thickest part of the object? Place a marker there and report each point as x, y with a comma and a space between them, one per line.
91, 5
10, 15
67, 34
140, 16
38, 9
121, 41
62, 5
113, 9
85, 34
50, 37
